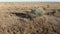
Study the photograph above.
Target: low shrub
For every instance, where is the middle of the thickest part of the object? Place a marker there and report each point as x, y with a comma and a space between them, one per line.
37, 11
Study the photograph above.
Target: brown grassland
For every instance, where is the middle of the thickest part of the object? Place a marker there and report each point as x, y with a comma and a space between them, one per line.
11, 21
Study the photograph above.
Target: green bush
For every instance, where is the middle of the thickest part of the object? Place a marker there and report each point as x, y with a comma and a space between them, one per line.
37, 11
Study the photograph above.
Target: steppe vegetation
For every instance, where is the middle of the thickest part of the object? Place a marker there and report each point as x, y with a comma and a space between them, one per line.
29, 20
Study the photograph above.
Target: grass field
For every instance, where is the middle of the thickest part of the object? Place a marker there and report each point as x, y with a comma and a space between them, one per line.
11, 21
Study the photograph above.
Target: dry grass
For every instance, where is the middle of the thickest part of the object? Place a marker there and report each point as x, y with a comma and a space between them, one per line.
13, 24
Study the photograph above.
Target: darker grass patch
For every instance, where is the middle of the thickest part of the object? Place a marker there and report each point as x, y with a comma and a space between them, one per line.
22, 15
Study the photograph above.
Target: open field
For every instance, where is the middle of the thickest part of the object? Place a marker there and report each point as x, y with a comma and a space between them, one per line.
14, 21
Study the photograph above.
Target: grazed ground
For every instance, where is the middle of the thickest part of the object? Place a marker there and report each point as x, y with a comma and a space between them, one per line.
14, 24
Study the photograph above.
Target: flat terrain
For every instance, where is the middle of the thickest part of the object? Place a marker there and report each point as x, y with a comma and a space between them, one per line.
11, 21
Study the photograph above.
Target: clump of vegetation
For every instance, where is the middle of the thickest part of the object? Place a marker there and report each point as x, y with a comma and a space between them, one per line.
37, 11
54, 11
